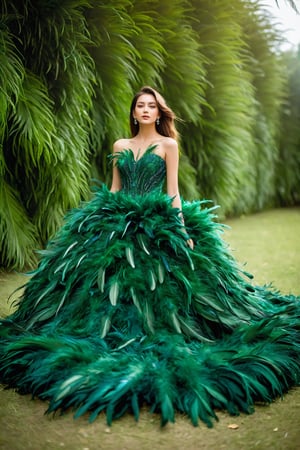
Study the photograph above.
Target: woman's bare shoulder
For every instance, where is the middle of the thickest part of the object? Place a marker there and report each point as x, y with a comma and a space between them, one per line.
121, 144
171, 142
170, 147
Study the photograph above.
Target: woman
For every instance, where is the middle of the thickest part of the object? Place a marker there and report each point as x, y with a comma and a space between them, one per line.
138, 300
152, 124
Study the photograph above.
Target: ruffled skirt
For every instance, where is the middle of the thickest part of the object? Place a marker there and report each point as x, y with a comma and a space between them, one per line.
121, 312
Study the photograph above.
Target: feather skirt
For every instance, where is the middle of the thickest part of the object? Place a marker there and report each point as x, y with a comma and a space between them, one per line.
121, 312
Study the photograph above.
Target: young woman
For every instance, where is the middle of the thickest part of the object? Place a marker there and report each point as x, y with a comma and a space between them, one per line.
152, 125
137, 300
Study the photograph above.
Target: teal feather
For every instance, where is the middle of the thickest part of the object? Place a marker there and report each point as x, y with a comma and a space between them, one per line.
135, 406
111, 235
142, 243
148, 315
114, 292
101, 278
71, 383
135, 299
105, 322
165, 262
70, 248
40, 316
175, 322
129, 256
126, 228
160, 272
60, 267
152, 280
191, 331
78, 263
62, 301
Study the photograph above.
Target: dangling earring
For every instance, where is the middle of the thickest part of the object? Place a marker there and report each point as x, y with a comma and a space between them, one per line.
134, 121
157, 121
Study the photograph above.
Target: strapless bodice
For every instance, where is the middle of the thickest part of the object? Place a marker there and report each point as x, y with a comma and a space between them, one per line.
144, 174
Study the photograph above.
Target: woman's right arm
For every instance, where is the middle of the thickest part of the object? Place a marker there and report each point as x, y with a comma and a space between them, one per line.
116, 184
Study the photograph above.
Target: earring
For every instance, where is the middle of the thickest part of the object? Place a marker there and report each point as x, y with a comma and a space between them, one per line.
157, 121
134, 121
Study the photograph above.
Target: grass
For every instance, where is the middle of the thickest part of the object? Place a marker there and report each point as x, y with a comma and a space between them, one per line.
270, 244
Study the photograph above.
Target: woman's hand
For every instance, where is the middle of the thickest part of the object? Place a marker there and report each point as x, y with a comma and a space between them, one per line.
190, 243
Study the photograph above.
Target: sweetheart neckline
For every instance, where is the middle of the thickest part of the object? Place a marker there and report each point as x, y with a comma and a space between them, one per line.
141, 157
150, 147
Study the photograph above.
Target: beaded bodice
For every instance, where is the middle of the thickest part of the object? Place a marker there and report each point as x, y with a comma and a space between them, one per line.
141, 175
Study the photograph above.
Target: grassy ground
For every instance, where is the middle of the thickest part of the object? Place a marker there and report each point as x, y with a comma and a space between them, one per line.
270, 244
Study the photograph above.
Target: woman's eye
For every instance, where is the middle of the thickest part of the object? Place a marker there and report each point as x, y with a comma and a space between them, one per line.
143, 106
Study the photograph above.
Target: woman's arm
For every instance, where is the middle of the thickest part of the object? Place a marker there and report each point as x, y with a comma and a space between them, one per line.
172, 165
116, 184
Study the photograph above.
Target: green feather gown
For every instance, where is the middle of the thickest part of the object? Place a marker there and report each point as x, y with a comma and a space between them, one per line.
121, 313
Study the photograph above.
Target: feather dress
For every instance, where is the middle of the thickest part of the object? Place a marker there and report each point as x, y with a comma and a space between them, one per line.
121, 312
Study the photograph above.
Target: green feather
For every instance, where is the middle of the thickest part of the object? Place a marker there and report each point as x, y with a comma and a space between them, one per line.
135, 299
101, 279
152, 280
105, 326
80, 260
70, 248
114, 293
175, 322
160, 273
141, 241
129, 256
126, 228
135, 406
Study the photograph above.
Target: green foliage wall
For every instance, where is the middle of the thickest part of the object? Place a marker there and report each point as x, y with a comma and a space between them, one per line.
69, 69
46, 79
288, 163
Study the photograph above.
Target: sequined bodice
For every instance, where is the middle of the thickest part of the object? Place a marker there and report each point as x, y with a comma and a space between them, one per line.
142, 175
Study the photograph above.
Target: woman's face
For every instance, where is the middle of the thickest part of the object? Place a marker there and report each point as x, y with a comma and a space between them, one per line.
146, 110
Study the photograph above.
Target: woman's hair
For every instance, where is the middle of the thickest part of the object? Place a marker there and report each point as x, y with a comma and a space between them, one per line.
167, 118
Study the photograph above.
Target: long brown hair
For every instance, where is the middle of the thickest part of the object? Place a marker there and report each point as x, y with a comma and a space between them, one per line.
167, 118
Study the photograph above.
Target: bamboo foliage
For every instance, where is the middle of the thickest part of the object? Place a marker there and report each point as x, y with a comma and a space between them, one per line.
168, 66
287, 168
268, 80
148, 41
111, 29
225, 139
175, 24
16, 231
12, 74
293, 5
46, 126
69, 69
70, 80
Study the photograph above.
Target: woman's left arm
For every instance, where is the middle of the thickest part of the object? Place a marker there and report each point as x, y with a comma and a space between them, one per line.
172, 165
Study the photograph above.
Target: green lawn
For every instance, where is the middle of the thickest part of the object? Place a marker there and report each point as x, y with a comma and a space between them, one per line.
270, 243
